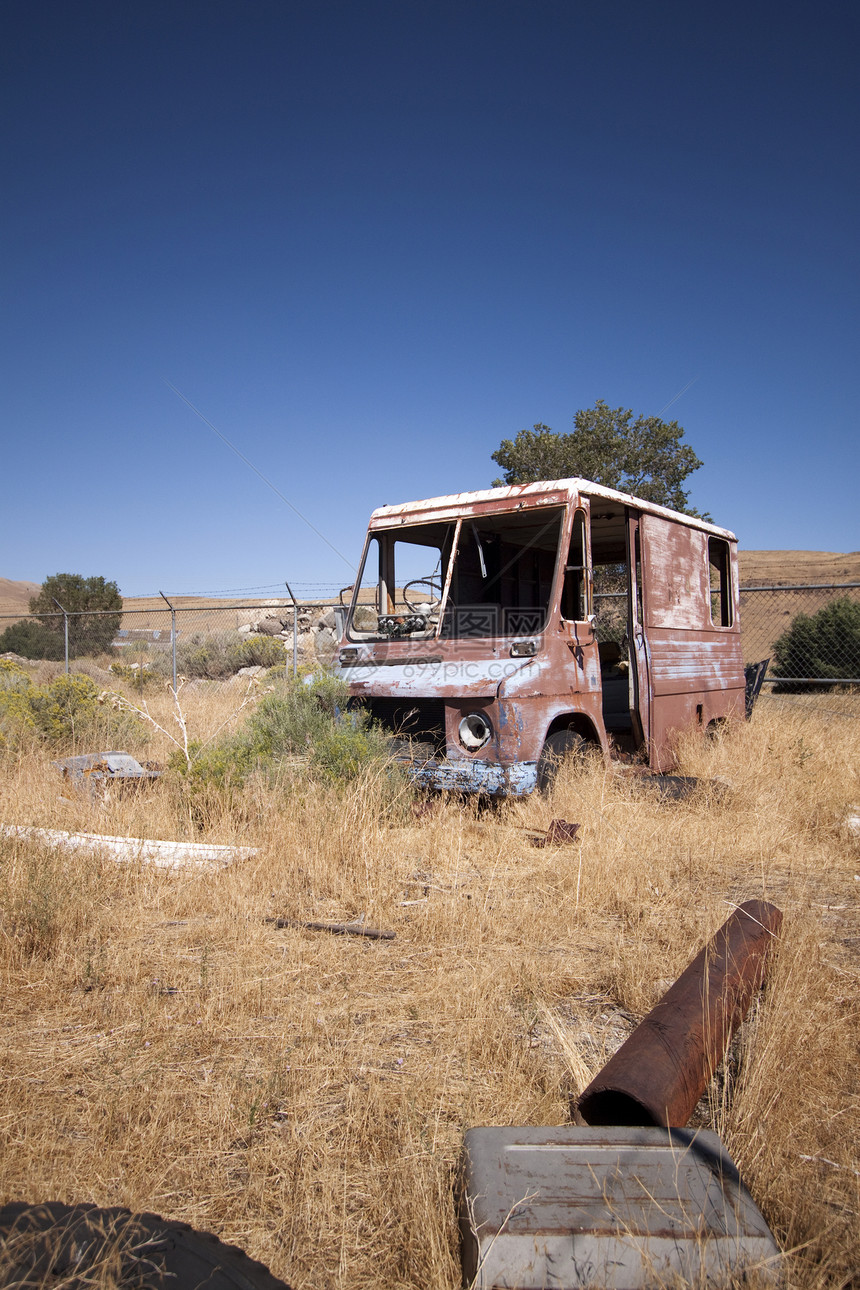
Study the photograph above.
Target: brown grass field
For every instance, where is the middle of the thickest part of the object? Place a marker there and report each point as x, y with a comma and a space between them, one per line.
304, 1095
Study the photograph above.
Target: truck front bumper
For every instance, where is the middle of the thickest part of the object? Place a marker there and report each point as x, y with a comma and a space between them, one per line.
467, 776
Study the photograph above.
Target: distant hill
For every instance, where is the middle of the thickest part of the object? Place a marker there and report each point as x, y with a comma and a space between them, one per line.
769, 568
15, 596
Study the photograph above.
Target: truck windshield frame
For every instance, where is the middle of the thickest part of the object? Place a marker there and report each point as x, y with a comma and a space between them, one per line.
486, 576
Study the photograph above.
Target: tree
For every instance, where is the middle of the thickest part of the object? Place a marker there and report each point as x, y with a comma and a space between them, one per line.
644, 457
819, 646
93, 605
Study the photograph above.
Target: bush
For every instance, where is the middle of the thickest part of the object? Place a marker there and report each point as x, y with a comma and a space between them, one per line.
139, 676
826, 644
65, 710
216, 657
257, 651
205, 657
32, 639
13, 678
15, 713
296, 720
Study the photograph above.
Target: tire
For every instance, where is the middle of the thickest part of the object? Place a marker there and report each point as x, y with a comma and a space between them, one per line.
82, 1246
559, 746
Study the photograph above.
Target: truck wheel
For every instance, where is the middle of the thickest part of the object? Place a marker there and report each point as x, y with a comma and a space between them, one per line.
559, 746
82, 1245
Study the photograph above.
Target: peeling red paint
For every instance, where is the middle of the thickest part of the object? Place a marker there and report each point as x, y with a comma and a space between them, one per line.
486, 623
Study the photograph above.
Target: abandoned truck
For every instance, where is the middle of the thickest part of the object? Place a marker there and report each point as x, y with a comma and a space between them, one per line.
495, 633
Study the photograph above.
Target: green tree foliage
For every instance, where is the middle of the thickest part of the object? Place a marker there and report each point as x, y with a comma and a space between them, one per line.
826, 644
32, 639
94, 607
644, 456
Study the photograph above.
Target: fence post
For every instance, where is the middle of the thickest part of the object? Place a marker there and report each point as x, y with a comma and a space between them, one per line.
65, 630
172, 635
295, 631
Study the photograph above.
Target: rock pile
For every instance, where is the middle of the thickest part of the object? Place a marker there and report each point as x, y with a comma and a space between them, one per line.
318, 627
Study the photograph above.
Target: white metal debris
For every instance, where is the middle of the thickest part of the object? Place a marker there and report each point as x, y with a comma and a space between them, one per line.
165, 855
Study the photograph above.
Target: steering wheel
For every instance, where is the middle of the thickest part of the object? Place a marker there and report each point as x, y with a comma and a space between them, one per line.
434, 601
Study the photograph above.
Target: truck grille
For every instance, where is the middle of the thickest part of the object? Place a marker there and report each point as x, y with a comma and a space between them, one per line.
418, 725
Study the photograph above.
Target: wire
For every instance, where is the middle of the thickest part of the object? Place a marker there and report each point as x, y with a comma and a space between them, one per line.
677, 396
251, 465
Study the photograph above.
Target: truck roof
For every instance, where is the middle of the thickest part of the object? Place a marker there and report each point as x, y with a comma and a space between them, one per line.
546, 492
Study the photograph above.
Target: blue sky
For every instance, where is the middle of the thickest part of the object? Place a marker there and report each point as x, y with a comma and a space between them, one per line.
370, 239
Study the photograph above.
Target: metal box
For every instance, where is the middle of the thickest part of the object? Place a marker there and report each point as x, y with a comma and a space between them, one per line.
552, 1208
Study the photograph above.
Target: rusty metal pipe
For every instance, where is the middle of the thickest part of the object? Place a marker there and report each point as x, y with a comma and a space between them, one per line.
659, 1073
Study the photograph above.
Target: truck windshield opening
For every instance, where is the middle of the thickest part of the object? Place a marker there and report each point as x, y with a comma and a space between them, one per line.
486, 575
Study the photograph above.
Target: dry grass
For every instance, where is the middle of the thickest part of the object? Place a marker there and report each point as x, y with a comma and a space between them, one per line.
305, 1095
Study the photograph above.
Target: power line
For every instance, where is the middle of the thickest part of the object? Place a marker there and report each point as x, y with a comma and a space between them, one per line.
266, 481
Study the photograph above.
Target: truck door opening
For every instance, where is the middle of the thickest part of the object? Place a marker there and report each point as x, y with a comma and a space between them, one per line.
617, 603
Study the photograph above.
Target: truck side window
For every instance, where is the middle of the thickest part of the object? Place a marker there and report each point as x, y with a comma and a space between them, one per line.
574, 600
719, 565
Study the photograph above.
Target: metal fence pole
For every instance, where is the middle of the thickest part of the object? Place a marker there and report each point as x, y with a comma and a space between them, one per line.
172, 635
295, 631
65, 630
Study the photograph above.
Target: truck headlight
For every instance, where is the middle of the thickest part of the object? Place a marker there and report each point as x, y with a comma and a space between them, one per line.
474, 731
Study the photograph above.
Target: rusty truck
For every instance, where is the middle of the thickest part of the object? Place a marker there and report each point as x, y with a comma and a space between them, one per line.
495, 633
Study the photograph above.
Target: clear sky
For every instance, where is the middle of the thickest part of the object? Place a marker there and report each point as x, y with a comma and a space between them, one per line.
369, 239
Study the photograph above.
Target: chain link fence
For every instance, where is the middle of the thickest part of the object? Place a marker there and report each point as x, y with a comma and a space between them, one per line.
211, 641
810, 632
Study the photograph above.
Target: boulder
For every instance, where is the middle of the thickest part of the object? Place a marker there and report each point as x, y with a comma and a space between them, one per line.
269, 627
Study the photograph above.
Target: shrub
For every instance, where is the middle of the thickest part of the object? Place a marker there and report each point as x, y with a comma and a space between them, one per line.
32, 639
295, 720
826, 644
63, 708
140, 676
66, 709
13, 678
218, 656
15, 713
257, 651
206, 657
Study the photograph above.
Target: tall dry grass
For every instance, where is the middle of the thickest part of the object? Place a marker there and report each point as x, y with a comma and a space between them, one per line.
304, 1095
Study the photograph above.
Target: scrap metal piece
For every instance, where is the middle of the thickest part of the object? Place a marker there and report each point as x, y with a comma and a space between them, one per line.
658, 1075
102, 767
338, 929
673, 788
559, 834
754, 674
622, 1208
164, 855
